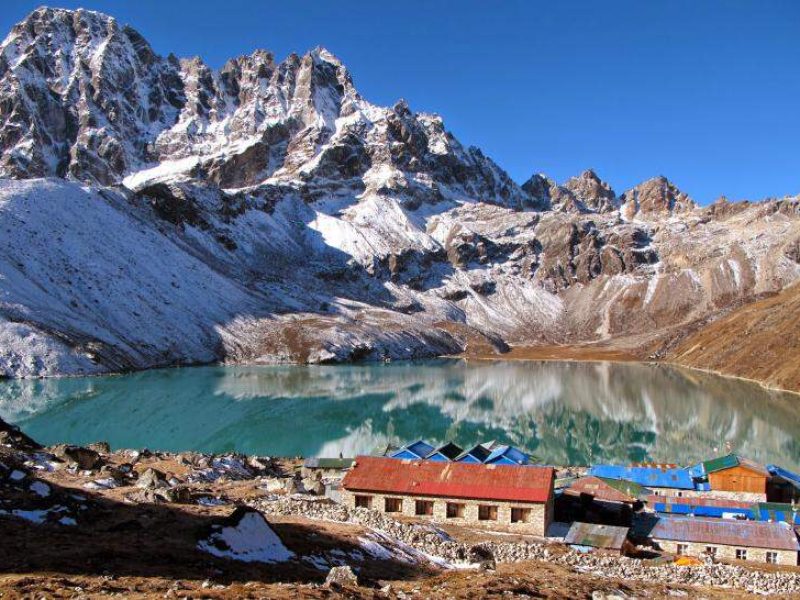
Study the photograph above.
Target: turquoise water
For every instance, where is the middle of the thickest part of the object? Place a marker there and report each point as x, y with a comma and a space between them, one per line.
564, 413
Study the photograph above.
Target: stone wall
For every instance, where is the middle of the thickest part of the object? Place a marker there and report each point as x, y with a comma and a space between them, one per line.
539, 518
756, 555
427, 539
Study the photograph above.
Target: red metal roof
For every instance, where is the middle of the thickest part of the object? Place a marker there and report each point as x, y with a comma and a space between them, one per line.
730, 532
699, 501
504, 483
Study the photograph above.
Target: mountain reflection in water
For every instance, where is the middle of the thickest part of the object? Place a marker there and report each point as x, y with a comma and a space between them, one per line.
563, 413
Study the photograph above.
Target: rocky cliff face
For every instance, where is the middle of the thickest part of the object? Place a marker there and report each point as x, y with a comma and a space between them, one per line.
158, 212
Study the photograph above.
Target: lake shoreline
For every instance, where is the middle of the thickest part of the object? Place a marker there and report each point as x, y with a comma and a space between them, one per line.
545, 353
578, 353
562, 411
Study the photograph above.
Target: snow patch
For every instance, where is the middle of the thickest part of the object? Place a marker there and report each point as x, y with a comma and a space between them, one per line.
169, 170
250, 540
40, 488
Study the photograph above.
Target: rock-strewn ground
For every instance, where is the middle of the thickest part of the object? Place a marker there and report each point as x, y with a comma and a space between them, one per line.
89, 521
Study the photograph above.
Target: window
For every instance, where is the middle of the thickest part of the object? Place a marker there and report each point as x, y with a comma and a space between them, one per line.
741, 554
520, 515
680, 494
656, 493
682, 549
424, 508
711, 551
455, 510
772, 558
363, 501
487, 512
393, 505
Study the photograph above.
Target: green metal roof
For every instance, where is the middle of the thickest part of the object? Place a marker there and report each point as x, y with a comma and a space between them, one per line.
630, 488
730, 461
596, 536
721, 463
775, 506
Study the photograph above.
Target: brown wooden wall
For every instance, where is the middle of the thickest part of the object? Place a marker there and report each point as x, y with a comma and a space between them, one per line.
738, 479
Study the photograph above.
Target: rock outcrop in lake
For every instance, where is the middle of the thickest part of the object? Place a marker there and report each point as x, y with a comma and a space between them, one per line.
158, 212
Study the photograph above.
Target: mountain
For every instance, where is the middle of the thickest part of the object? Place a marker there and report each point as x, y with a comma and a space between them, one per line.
160, 212
756, 341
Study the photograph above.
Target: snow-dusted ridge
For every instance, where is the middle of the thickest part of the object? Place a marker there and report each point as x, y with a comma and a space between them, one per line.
158, 212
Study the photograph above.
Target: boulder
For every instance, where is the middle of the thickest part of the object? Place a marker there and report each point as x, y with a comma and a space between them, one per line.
274, 484
152, 479
86, 459
100, 447
313, 486
341, 577
11, 435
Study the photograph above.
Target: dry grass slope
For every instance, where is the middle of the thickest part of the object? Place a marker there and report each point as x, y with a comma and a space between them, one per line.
758, 341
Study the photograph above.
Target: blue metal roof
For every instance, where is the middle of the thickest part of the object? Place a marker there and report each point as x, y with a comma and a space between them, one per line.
509, 455
476, 454
785, 474
415, 450
666, 509
447, 452
774, 511
675, 478
697, 471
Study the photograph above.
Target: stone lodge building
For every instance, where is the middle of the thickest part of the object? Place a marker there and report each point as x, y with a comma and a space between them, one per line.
755, 541
508, 498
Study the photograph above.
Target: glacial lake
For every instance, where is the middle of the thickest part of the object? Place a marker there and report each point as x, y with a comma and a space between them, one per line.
561, 412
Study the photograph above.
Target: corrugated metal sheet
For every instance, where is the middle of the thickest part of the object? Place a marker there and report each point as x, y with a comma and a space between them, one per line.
328, 463
450, 479
508, 454
596, 536
697, 471
753, 534
777, 511
785, 474
720, 463
477, 454
754, 466
717, 512
661, 477
447, 452
418, 449
717, 502
610, 490
730, 461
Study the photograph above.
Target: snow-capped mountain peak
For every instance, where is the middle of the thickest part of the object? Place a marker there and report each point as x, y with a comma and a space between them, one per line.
266, 211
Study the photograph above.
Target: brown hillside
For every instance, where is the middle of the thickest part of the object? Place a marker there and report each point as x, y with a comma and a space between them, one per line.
758, 341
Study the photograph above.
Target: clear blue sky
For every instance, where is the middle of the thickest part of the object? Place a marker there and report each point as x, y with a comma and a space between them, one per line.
707, 93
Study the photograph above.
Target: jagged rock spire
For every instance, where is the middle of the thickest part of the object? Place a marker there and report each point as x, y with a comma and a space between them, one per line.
657, 196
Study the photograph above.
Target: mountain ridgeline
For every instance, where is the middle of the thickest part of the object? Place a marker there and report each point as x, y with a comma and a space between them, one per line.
159, 212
